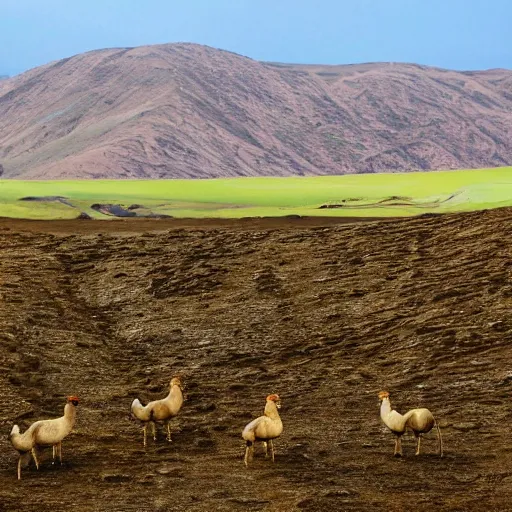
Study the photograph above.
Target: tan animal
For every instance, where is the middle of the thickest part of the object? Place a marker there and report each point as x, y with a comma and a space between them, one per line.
45, 433
266, 428
160, 410
420, 421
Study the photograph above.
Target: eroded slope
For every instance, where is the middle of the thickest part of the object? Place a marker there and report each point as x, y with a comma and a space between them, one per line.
325, 316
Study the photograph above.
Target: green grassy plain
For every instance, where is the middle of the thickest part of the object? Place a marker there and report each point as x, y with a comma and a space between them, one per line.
363, 195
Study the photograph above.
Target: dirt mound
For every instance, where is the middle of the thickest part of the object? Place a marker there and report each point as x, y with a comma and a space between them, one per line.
324, 315
113, 209
118, 210
43, 198
48, 199
389, 202
84, 216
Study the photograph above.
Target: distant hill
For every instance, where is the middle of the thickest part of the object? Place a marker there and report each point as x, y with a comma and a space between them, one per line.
190, 111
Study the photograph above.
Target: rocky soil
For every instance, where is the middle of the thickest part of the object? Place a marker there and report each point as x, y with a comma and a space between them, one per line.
324, 314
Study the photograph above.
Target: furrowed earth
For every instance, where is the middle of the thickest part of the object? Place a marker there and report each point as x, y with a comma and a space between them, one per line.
324, 312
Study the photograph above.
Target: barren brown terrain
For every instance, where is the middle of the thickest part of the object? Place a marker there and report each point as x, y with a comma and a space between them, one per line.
190, 111
324, 314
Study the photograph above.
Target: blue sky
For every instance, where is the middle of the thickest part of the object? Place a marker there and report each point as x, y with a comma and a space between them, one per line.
458, 34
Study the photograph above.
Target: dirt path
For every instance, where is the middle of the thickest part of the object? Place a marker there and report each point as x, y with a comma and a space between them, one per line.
326, 316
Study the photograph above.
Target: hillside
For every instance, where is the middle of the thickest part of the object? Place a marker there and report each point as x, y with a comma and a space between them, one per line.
183, 110
324, 315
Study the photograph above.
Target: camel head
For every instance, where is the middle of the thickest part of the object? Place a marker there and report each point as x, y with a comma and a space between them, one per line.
275, 398
383, 394
72, 400
176, 381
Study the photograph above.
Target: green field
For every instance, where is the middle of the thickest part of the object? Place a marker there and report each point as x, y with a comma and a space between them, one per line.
356, 195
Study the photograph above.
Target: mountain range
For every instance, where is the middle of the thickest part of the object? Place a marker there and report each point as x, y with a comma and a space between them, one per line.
191, 111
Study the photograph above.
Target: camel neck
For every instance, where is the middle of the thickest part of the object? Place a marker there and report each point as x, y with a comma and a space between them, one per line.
392, 419
271, 410
385, 408
70, 412
174, 391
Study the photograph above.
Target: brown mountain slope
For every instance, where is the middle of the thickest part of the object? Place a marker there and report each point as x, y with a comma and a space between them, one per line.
324, 316
185, 110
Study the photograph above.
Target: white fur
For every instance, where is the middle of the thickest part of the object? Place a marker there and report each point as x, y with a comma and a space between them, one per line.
420, 421
266, 428
43, 433
159, 410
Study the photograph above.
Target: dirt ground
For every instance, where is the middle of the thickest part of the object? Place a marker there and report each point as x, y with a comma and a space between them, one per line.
324, 313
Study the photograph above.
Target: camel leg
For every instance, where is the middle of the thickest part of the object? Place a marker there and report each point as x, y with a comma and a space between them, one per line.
145, 434
439, 440
34, 454
272, 452
53, 454
249, 450
398, 447
154, 430
418, 445
168, 432
265, 445
59, 449
19, 468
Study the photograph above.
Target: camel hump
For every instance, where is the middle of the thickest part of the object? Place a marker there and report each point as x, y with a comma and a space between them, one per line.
420, 420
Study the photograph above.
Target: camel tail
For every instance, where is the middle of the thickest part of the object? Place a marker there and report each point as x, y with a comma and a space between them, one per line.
139, 411
248, 432
17, 439
439, 438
